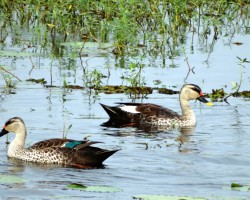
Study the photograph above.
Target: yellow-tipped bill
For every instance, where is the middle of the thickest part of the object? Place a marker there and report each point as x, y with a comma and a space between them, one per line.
209, 104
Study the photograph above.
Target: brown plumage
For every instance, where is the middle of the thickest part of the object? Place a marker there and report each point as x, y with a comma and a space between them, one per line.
54, 151
134, 114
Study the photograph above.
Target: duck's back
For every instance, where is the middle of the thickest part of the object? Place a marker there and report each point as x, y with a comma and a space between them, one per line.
156, 111
66, 152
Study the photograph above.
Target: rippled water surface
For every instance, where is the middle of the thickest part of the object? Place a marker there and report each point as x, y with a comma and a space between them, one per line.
199, 162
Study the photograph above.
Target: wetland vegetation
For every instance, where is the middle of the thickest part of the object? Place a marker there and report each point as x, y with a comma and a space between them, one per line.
134, 32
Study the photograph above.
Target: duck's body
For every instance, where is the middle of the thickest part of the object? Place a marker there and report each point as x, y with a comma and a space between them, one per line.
53, 151
151, 114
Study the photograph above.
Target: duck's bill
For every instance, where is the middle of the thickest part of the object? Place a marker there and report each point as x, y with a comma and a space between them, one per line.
3, 132
203, 100
209, 103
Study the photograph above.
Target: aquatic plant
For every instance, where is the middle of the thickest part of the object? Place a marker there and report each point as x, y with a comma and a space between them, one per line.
8, 79
128, 30
11, 179
157, 26
133, 74
236, 86
99, 189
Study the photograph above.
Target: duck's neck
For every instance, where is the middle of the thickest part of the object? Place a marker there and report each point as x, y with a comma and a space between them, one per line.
19, 140
187, 112
16, 147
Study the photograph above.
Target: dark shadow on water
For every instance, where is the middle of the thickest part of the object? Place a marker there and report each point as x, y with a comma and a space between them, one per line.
21, 164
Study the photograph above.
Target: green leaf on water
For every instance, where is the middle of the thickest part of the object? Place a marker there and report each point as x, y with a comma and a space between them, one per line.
241, 188
41, 80
235, 185
165, 197
168, 197
76, 186
101, 189
227, 198
10, 179
238, 187
16, 54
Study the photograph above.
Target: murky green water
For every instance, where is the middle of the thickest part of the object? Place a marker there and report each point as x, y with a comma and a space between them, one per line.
212, 156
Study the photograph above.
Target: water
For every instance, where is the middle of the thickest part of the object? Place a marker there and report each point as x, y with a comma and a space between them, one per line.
203, 162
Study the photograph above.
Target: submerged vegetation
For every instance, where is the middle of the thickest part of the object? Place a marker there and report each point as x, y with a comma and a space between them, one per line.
127, 30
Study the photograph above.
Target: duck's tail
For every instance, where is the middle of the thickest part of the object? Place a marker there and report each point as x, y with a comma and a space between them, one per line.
118, 117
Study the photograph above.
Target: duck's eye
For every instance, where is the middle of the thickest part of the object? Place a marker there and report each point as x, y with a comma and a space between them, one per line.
197, 90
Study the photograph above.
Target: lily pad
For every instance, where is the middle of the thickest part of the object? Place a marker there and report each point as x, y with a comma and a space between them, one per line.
101, 189
16, 54
9, 179
165, 197
227, 198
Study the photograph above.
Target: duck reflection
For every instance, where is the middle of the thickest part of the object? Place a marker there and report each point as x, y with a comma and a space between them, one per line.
148, 128
181, 135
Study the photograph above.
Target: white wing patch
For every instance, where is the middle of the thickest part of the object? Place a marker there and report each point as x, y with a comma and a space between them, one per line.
130, 109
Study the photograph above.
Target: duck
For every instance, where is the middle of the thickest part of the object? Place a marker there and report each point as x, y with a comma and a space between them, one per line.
60, 151
149, 114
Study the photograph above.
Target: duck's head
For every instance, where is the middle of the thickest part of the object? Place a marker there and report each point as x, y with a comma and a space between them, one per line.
14, 125
192, 92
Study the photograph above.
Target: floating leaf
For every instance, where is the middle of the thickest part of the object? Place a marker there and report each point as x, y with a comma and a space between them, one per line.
16, 54
41, 80
238, 187
101, 189
233, 185
242, 188
165, 197
10, 179
227, 198
76, 186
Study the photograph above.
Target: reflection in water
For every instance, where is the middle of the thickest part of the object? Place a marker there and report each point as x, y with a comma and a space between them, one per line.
12, 179
147, 128
185, 137
237, 120
19, 165
151, 131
